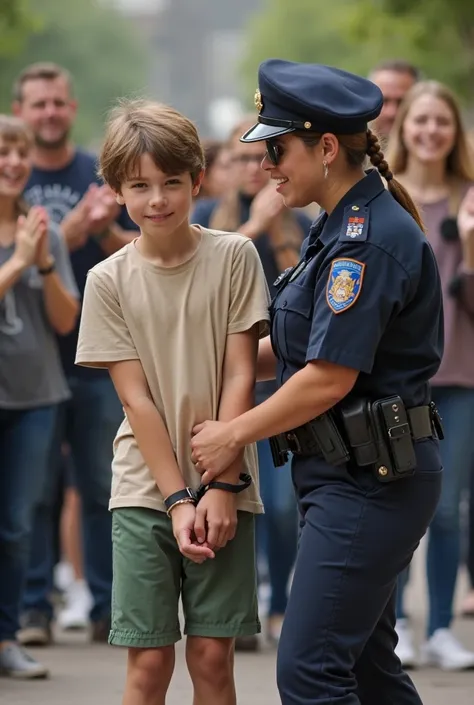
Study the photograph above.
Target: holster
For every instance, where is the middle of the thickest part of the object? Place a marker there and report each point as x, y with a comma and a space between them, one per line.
320, 437
279, 450
380, 435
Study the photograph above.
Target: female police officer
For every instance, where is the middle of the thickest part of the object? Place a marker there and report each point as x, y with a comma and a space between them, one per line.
356, 330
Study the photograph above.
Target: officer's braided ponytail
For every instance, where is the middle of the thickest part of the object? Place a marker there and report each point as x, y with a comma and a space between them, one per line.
376, 156
357, 147
398, 191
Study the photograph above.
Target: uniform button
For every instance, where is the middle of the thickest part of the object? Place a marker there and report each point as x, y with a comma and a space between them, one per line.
284, 304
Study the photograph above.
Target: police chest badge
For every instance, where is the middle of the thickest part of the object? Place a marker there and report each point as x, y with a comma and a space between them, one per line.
344, 284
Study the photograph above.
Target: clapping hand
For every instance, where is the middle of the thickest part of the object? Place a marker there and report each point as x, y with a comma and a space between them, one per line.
94, 213
31, 237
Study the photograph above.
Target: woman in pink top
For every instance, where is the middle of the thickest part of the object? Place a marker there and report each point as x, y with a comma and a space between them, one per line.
430, 156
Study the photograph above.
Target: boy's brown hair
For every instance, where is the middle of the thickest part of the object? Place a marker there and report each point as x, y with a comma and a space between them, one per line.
138, 127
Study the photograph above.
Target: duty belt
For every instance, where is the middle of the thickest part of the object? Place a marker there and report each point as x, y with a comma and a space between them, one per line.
379, 433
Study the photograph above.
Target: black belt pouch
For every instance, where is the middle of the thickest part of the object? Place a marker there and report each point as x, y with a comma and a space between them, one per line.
357, 423
390, 420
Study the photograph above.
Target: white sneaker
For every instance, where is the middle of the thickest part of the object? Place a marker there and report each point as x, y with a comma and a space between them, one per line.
446, 652
75, 614
16, 663
405, 649
63, 576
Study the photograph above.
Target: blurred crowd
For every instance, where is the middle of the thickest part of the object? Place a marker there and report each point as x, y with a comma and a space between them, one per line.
58, 421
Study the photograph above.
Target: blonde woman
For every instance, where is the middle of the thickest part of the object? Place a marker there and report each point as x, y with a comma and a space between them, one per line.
430, 156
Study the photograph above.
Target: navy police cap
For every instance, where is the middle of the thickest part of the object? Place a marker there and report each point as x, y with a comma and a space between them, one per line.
314, 97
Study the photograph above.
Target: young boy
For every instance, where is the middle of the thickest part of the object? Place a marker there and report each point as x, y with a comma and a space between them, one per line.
175, 316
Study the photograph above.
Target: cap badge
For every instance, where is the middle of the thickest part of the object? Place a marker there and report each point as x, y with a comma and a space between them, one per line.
258, 101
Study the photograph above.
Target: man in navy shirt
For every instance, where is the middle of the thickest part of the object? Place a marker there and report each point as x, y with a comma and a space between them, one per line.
64, 180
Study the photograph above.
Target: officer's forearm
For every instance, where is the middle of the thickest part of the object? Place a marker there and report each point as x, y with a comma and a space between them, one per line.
307, 394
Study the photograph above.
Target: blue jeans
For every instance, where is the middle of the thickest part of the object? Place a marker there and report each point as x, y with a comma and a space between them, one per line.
470, 539
456, 406
88, 422
25, 440
277, 529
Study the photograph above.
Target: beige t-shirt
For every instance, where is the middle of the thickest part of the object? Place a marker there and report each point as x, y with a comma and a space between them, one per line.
175, 320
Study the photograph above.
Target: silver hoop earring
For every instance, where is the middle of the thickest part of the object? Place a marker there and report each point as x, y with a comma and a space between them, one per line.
326, 169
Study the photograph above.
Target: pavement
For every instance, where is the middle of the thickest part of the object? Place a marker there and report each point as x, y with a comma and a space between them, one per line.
82, 673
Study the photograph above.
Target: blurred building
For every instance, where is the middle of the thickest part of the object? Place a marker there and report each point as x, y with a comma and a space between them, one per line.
197, 47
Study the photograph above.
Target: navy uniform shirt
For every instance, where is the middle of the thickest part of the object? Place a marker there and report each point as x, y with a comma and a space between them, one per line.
369, 298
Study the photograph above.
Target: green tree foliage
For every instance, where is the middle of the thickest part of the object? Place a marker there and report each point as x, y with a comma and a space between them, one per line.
96, 44
436, 35
16, 23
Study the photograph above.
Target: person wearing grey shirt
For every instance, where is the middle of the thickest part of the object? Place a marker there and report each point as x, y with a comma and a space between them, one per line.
38, 300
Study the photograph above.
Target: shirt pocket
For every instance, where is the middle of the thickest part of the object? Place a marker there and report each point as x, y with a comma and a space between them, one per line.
292, 322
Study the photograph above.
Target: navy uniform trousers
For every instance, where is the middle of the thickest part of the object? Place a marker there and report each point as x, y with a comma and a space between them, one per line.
357, 534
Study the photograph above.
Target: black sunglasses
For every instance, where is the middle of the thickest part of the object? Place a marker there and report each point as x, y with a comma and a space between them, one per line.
274, 152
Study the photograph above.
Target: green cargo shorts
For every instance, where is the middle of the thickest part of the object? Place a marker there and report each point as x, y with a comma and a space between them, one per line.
150, 574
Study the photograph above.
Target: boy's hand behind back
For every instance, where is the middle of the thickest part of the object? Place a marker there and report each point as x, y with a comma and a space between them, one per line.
216, 518
183, 518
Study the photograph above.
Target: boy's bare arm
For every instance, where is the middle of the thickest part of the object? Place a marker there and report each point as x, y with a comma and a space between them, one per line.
155, 446
147, 425
238, 385
217, 509
266, 361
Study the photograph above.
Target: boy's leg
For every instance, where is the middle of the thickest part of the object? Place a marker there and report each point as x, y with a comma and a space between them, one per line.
149, 674
211, 667
220, 603
147, 569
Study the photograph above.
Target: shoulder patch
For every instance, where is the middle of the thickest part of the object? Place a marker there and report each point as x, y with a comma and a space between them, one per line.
344, 284
355, 225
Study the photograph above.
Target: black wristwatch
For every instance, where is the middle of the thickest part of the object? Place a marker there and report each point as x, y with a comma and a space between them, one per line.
181, 496
245, 481
49, 269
